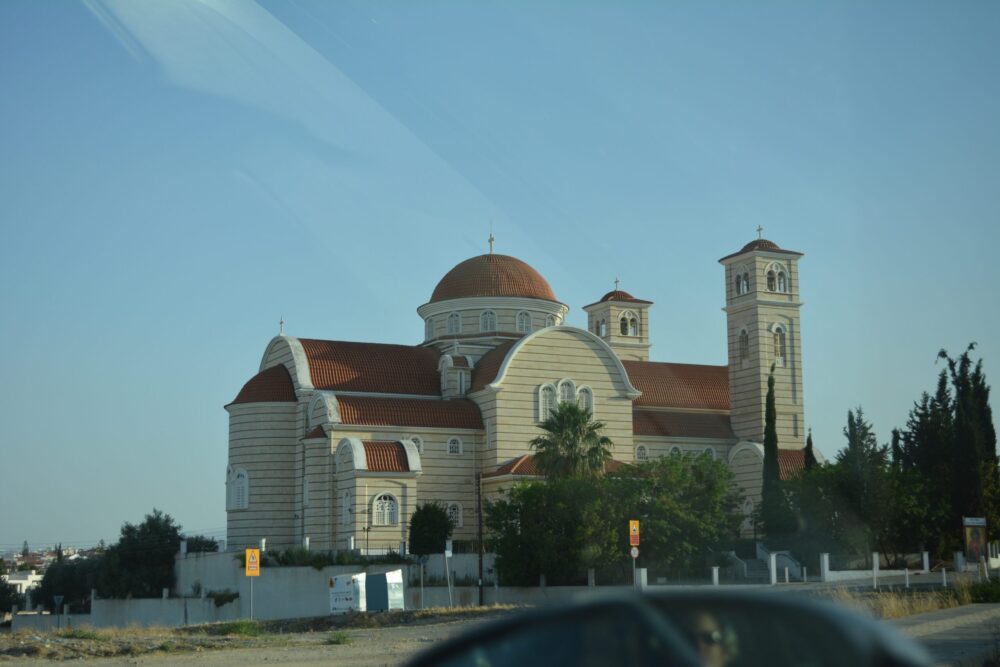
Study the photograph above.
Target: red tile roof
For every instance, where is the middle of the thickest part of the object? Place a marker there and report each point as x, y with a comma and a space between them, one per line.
681, 424
385, 456
526, 466
317, 432
489, 365
271, 385
492, 275
668, 385
618, 295
761, 244
790, 461
385, 411
372, 367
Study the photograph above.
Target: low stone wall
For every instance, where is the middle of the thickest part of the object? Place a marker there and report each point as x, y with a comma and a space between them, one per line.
25, 622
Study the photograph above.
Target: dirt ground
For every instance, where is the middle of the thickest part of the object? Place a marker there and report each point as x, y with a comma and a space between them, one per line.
361, 647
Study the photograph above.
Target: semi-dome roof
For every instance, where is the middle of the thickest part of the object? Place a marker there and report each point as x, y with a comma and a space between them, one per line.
492, 275
760, 244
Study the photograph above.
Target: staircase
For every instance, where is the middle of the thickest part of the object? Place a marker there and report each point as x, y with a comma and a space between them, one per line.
757, 572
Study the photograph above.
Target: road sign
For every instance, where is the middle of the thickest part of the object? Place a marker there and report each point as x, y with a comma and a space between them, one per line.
634, 552
253, 562
633, 532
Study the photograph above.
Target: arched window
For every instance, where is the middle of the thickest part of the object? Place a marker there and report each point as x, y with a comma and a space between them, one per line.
623, 325
550, 320
345, 509
428, 328
238, 493
455, 446
385, 511
779, 346
770, 281
567, 391
603, 328
418, 443
782, 282
488, 321
523, 322
633, 327
546, 401
744, 346
738, 284
455, 514
454, 323
585, 398
675, 451
746, 283
641, 454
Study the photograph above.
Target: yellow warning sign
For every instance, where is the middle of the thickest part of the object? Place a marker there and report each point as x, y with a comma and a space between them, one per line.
633, 533
253, 562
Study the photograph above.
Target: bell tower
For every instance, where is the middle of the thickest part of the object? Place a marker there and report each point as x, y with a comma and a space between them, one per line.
622, 321
762, 321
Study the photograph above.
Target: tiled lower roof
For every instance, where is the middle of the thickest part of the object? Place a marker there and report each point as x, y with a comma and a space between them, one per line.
790, 462
386, 411
668, 385
489, 365
385, 456
526, 466
681, 424
271, 385
372, 367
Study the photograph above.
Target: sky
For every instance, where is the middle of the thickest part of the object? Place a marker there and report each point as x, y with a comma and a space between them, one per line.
177, 177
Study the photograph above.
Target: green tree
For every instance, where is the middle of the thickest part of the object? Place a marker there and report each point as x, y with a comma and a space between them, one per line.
810, 455
430, 528
977, 483
564, 526
9, 597
141, 564
572, 445
201, 544
72, 579
862, 465
775, 516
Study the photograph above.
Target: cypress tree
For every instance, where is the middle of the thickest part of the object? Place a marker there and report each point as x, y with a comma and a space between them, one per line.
775, 513
810, 456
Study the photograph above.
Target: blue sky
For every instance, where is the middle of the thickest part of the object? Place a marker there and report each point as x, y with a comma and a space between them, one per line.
175, 177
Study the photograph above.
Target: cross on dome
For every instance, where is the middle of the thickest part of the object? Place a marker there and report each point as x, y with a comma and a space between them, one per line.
760, 232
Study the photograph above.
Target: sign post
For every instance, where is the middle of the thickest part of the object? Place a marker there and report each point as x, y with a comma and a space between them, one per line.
633, 540
252, 571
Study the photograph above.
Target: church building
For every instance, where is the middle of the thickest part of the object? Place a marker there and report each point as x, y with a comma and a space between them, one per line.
334, 443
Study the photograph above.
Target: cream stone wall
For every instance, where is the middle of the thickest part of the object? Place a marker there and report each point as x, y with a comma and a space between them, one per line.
445, 478
548, 357
632, 348
263, 439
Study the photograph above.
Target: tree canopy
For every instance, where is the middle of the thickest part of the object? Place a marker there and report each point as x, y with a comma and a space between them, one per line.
572, 445
430, 528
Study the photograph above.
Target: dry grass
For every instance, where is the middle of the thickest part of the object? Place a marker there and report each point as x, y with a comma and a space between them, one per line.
897, 605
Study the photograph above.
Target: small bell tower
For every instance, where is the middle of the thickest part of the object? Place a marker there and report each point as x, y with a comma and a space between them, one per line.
622, 321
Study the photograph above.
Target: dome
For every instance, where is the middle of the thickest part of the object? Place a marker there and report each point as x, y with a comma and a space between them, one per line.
760, 244
492, 275
621, 295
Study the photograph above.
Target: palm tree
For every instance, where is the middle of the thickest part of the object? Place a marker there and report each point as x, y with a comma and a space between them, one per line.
572, 445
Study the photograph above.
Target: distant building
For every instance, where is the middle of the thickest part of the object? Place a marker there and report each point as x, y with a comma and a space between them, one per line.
339, 441
22, 581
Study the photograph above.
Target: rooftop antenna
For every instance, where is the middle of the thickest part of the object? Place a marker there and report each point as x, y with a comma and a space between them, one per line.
281, 326
492, 238
760, 232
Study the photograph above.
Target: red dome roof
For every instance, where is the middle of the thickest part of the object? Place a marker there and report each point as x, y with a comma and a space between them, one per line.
760, 244
492, 275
